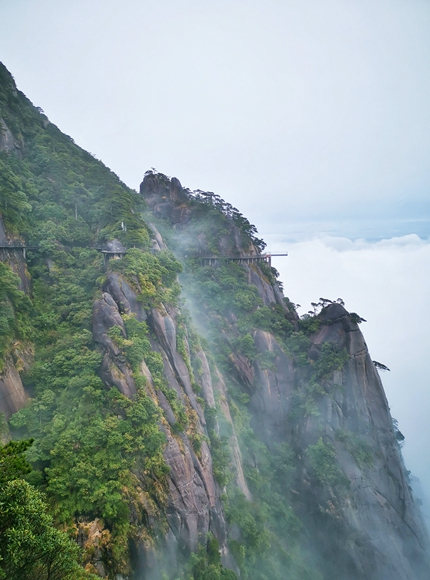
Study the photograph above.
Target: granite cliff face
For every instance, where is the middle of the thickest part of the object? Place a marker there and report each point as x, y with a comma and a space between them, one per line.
12, 393
187, 422
194, 507
375, 527
363, 518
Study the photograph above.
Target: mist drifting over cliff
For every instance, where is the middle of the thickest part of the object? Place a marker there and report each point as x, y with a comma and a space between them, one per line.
385, 282
189, 421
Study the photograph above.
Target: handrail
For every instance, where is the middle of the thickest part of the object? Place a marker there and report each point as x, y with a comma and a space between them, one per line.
213, 260
12, 244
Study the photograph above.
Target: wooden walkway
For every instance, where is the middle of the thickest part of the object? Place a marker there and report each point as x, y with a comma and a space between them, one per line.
16, 245
118, 251
216, 260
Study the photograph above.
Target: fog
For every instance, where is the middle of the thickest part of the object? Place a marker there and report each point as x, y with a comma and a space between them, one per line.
311, 117
386, 283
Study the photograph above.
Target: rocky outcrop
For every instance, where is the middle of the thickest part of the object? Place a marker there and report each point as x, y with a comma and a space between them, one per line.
124, 296
94, 540
13, 396
193, 506
166, 198
8, 142
372, 527
15, 259
114, 370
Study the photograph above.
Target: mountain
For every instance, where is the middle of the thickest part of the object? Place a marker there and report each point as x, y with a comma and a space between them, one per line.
187, 423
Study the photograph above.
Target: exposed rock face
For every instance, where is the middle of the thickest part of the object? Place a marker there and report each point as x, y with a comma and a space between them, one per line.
15, 259
116, 247
114, 369
166, 199
221, 388
271, 400
12, 393
374, 528
367, 526
13, 396
124, 296
8, 142
3, 237
93, 538
194, 506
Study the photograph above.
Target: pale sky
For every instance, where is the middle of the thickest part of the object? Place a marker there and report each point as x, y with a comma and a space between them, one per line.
294, 109
311, 117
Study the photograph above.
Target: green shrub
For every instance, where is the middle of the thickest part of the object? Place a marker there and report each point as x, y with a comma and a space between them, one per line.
152, 276
245, 345
357, 447
310, 324
332, 359
323, 459
205, 564
30, 545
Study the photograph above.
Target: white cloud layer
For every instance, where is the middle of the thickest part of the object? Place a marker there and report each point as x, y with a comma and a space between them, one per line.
387, 283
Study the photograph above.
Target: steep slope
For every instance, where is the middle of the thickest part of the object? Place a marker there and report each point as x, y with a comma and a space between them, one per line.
192, 427
15, 353
119, 445
311, 384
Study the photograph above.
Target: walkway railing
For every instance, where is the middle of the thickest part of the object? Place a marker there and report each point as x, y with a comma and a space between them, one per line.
16, 245
215, 260
119, 252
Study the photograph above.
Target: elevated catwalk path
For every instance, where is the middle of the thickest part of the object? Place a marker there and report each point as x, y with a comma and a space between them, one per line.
16, 245
112, 249
116, 250
215, 260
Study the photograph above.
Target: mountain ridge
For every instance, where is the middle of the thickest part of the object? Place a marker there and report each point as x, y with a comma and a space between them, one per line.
192, 426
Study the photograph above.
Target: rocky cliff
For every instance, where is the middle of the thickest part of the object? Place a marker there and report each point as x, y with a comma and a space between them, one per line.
324, 398
193, 506
12, 393
187, 422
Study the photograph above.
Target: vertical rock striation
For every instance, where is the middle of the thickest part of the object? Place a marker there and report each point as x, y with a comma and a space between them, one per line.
193, 505
362, 520
13, 396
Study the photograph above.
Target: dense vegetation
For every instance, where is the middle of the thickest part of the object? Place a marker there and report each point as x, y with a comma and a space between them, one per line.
30, 546
97, 455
